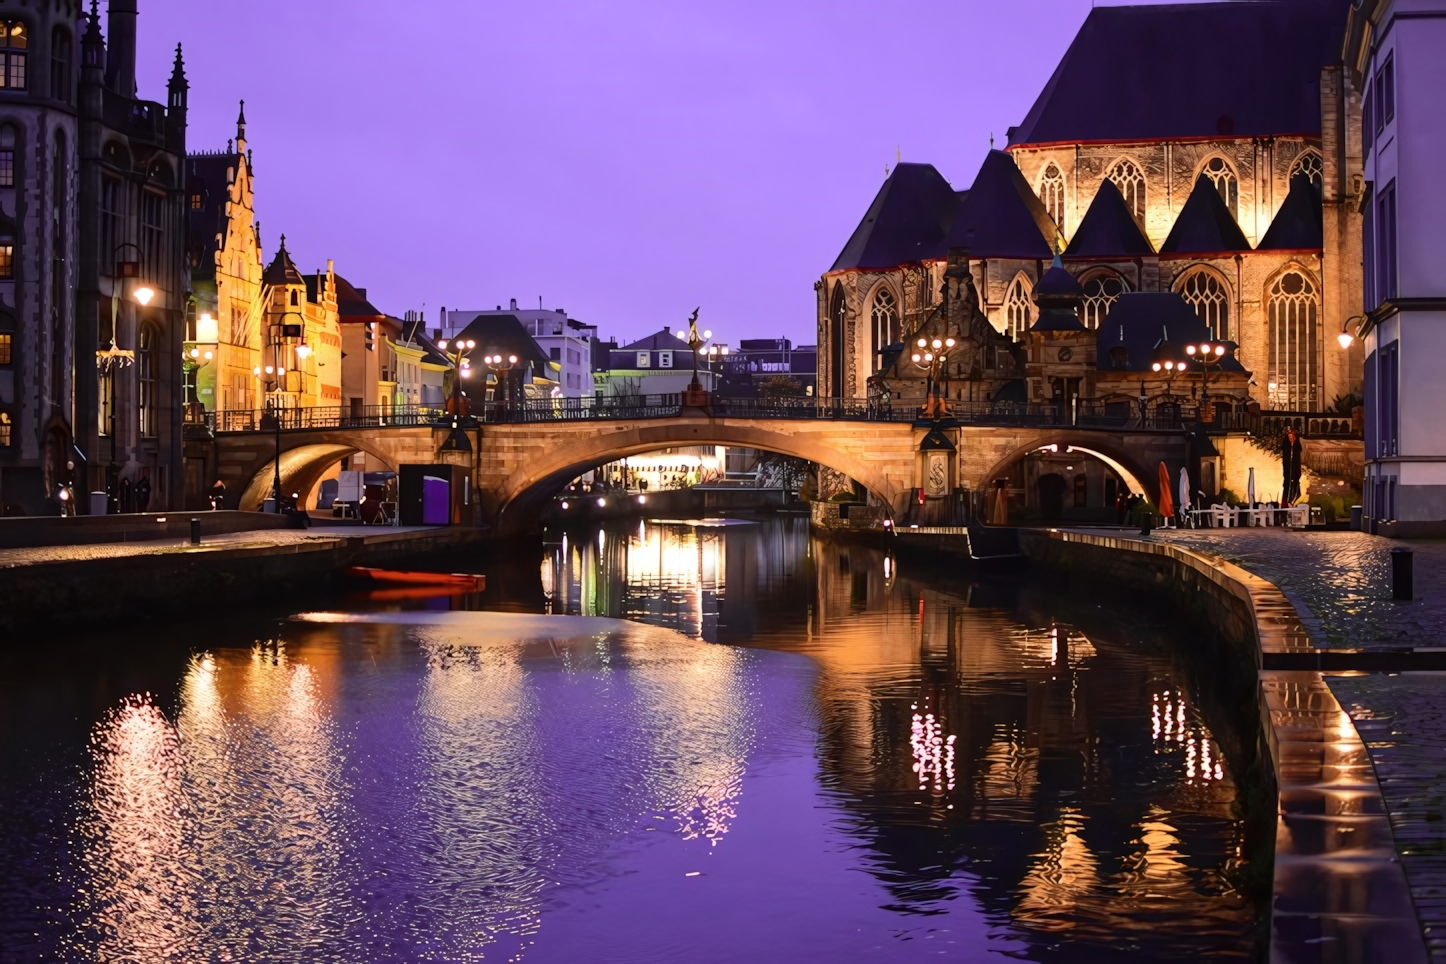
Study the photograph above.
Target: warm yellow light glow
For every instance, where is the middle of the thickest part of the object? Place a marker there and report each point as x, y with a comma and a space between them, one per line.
206, 328
442, 344
302, 351
1189, 349
1346, 339
144, 295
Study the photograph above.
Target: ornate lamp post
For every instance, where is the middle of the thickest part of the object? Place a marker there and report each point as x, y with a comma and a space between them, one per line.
503, 367
461, 368
1205, 354
930, 357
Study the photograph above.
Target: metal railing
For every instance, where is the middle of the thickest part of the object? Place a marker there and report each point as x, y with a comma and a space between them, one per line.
1083, 414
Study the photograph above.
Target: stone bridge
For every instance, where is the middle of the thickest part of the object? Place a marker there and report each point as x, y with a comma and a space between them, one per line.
518, 468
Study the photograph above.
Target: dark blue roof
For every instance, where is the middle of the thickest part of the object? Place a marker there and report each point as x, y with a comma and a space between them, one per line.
1141, 320
501, 335
1240, 69
909, 217
1000, 217
1205, 224
1108, 230
1297, 225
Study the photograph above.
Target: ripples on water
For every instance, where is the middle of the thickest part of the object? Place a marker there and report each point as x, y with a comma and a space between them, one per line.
951, 770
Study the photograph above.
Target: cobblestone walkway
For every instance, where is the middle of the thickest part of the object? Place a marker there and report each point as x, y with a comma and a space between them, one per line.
1344, 579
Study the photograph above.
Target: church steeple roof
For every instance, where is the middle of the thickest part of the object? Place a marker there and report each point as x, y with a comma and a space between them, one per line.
906, 221
1000, 217
1108, 230
92, 42
1205, 224
281, 270
1298, 224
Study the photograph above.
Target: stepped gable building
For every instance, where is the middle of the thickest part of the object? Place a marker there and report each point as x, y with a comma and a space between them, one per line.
1210, 150
133, 282
225, 258
38, 253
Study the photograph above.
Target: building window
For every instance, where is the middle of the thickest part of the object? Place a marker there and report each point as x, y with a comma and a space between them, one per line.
7, 256
7, 168
1016, 309
1389, 398
1101, 291
837, 314
885, 327
1385, 286
1293, 342
110, 220
1308, 164
665, 359
1051, 192
13, 45
153, 253
644, 359
1368, 113
1222, 175
1131, 182
1204, 292
196, 202
6, 347
146, 379
1383, 92
5, 427
60, 64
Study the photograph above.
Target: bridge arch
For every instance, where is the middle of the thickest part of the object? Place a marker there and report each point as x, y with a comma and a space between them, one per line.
1098, 444
878, 456
302, 467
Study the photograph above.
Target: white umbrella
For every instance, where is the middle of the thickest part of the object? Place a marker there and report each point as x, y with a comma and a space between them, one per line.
1250, 487
1184, 494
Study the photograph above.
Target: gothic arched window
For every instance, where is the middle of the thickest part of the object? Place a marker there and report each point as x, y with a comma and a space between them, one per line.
1101, 291
837, 309
1222, 175
1208, 297
1310, 165
1017, 309
146, 378
60, 65
885, 326
1051, 192
1131, 182
1293, 337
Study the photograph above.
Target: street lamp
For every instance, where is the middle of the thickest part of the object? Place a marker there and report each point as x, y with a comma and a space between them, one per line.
1345, 338
461, 368
1207, 353
695, 396
931, 357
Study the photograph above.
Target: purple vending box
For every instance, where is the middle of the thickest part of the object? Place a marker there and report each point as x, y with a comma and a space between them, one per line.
436, 501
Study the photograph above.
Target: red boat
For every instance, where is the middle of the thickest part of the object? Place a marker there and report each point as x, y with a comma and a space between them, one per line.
457, 581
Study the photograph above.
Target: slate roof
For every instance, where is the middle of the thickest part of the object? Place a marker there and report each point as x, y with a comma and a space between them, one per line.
666, 340
1239, 69
1108, 229
1205, 224
1000, 217
1141, 320
282, 270
1297, 225
206, 176
1058, 295
906, 221
352, 301
502, 335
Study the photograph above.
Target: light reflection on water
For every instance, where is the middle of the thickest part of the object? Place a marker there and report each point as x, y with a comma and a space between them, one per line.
469, 786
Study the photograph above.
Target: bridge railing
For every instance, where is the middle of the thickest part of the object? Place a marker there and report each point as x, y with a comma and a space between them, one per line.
366, 416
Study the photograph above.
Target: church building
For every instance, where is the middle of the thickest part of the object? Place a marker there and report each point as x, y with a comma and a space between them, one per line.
1208, 151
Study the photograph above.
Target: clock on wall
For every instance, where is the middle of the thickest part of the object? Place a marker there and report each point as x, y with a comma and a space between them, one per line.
1065, 354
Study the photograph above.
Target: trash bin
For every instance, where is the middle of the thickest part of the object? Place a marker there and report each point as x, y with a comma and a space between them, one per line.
1402, 575
99, 502
268, 505
1355, 518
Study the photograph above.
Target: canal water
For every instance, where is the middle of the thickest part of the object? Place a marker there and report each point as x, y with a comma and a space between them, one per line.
703, 741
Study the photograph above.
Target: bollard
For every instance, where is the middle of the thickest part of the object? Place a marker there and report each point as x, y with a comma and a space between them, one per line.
195, 532
1355, 518
1402, 581
1147, 523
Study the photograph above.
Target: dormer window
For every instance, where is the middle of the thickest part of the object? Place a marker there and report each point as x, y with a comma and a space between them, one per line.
1119, 357
13, 46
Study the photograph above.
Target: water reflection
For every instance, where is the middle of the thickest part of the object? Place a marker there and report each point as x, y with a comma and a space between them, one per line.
1012, 772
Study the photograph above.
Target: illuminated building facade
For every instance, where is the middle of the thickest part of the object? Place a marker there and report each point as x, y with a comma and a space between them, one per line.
1232, 178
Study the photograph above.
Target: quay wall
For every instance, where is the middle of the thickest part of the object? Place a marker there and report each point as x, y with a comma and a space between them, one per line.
50, 595
23, 532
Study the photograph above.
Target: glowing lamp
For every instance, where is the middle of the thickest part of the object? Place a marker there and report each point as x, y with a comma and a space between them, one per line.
564, 503
1189, 349
916, 356
471, 344
1219, 350
1346, 339
923, 343
511, 359
1156, 366
144, 295
302, 351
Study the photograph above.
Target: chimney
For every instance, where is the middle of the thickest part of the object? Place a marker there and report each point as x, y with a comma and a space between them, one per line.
514, 304
120, 35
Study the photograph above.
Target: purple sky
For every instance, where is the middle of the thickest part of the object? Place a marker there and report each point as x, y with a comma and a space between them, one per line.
626, 160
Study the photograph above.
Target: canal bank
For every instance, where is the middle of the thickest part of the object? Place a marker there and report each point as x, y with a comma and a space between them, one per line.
49, 586
1340, 892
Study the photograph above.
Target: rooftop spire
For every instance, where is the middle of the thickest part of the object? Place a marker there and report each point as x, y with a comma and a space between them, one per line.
92, 43
241, 125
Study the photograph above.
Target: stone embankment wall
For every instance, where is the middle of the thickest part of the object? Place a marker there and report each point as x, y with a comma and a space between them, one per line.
1338, 891
46, 595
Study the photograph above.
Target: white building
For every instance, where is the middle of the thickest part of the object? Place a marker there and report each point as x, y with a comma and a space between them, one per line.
565, 341
1395, 47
